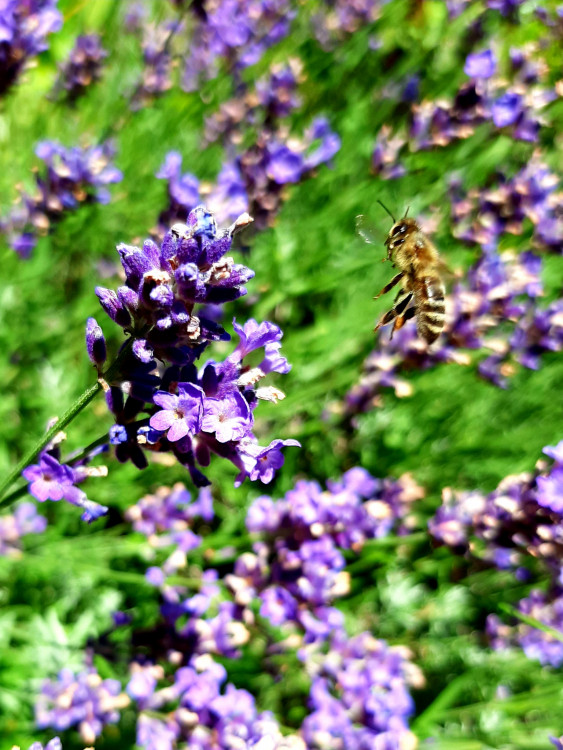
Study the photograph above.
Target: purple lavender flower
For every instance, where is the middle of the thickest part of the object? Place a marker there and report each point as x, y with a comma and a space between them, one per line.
507, 109
24, 520
229, 418
83, 67
73, 176
52, 480
83, 699
360, 696
181, 415
236, 34
298, 583
54, 744
183, 191
480, 64
24, 27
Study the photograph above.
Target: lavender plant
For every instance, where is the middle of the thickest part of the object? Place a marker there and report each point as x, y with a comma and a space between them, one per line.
73, 176
82, 68
518, 524
25, 27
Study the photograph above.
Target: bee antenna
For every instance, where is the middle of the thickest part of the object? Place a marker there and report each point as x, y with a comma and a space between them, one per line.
388, 211
407, 213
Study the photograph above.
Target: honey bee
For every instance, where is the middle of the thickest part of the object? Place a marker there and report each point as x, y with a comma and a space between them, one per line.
419, 266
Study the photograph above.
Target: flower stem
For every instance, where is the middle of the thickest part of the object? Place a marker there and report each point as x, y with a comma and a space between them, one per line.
59, 425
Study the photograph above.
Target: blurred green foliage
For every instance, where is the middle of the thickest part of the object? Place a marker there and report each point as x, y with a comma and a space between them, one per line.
316, 279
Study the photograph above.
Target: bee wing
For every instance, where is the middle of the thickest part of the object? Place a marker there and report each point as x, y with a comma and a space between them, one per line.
367, 230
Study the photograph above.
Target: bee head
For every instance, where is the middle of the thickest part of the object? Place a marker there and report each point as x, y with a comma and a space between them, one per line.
399, 230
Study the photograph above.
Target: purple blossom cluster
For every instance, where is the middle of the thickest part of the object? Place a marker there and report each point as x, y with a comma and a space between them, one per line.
24, 520
83, 66
166, 518
73, 176
210, 713
233, 34
189, 413
360, 697
156, 77
83, 700
531, 196
252, 178
24, 27
522, 518
50, 479
296, 569
521, 521
544, 645
516, 108
337, 18
495, 309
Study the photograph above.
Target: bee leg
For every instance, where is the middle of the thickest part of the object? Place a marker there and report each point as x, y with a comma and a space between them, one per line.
400, 320
394, 281
387, 318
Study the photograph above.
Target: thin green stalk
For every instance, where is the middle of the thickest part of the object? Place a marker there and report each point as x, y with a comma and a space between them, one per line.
75, 409
60, 424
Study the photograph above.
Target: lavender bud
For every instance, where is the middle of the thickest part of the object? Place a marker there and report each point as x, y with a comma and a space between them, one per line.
95, 343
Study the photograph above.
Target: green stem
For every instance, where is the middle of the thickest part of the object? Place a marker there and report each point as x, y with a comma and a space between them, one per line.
59, 425
80, 403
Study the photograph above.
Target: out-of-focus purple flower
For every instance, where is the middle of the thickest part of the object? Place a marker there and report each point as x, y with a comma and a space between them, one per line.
72, 177
385, 160
507, 109
557, 742
156, 78
507, 8
54, 744
24, 26
83, 700
234, 34
24, 520
228, 198
296, 584
480, 64
360, 696
183, 192
83, 67
208, 713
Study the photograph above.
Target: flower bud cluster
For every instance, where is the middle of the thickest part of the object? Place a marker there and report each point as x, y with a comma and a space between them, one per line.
73, 176
483, 216
210, 713
360, 695
516, 107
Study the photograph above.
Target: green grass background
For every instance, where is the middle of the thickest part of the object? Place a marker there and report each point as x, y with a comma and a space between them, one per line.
316, 279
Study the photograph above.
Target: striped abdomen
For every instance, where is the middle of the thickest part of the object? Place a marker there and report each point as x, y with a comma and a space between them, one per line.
430, 307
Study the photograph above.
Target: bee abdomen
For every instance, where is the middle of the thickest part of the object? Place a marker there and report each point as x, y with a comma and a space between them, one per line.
431, 309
